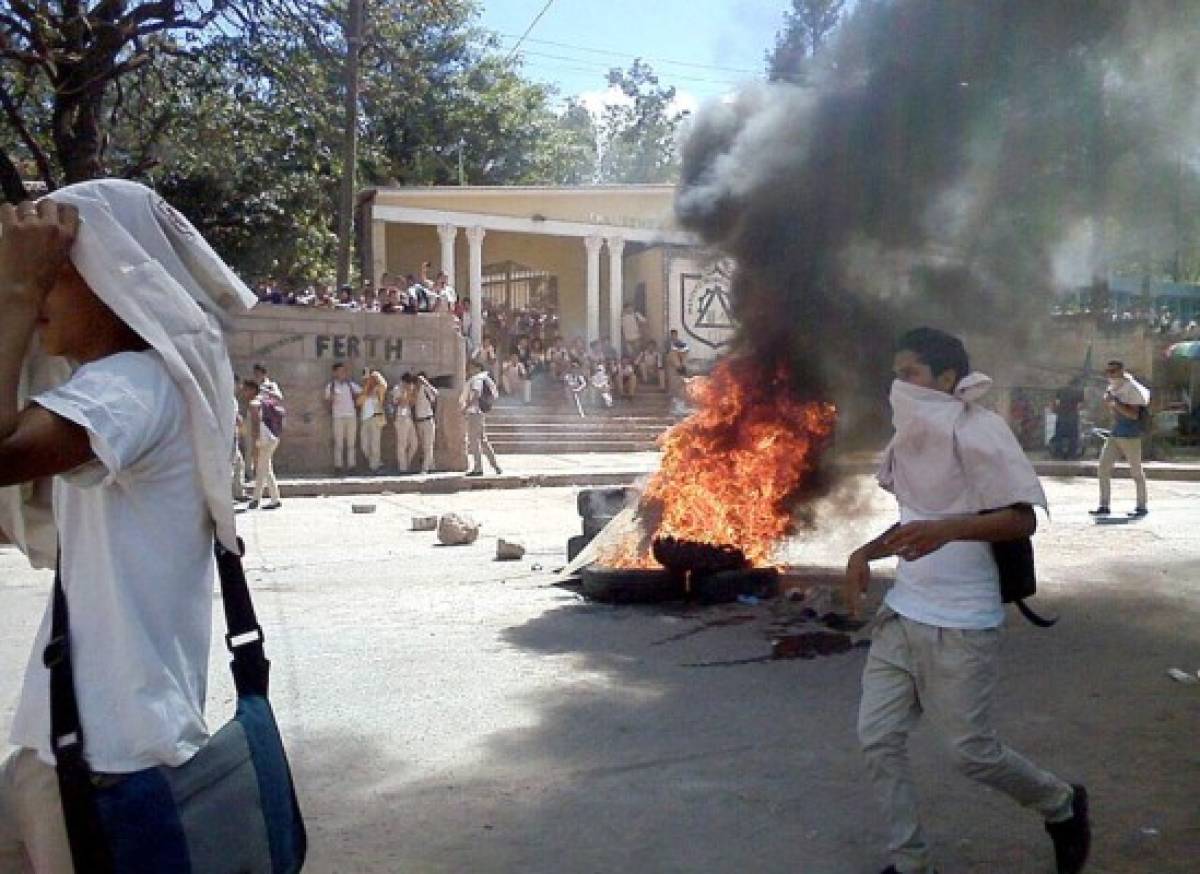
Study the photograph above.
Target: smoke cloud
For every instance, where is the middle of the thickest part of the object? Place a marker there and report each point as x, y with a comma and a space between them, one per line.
954, 164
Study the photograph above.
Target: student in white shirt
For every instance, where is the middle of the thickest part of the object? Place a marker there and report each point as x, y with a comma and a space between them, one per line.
407, 443
478, 386
265, 442
371, 412
424, 417
962, 483
342, 395
135, 414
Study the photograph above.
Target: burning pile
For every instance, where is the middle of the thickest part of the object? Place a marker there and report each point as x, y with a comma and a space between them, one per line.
733, 472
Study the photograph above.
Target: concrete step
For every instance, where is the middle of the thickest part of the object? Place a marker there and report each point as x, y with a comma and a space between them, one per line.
556, 446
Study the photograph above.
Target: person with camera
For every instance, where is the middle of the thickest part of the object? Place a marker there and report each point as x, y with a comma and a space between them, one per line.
425, 418
371, 405
127, 412
1129, 402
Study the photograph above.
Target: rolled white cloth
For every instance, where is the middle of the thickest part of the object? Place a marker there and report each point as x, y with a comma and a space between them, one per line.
152, 268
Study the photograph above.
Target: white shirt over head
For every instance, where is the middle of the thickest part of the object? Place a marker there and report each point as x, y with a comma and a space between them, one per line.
950, 458
137, 568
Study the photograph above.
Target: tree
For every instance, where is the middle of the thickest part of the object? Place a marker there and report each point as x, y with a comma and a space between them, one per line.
638, 136
807, 26
65, 66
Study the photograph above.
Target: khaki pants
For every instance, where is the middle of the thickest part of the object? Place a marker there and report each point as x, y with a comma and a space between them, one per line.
33, 836
407, 443
478, 443
426, 434
239, 475
372, 441
345, 430
951, 674
1131, 448
264, 470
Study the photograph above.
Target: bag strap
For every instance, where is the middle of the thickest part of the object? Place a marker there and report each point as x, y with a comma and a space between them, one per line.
251, 676
1028, 613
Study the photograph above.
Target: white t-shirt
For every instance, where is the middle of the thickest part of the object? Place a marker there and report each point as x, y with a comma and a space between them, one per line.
137, 566
342, 395
958, 586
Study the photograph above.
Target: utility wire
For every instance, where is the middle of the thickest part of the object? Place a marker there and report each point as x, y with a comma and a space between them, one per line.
595, 51
589, 66
529, 29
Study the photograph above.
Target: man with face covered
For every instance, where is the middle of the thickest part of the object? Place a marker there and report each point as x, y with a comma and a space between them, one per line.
115, 382
962, 483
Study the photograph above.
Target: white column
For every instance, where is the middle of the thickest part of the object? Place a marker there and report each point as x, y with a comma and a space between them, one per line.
475, 237
378, 251
593, 245
448, 234
616, 289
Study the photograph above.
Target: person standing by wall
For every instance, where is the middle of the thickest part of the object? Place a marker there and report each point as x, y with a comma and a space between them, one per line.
424, 417
478, 394
371, 413
266, 430
1129, 402
407, 443
342, 394
962, 483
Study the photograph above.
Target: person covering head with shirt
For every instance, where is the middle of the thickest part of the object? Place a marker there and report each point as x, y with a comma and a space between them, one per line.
425, 398
115, 389
962, 483
1129, 402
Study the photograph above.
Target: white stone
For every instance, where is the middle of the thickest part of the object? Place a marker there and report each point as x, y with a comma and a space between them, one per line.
506, 550
455, 529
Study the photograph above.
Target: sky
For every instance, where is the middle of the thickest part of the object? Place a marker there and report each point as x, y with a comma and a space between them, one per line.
594, 35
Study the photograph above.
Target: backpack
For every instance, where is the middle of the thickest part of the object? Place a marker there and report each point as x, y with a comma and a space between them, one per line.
273, 414
1018, 577
487, 396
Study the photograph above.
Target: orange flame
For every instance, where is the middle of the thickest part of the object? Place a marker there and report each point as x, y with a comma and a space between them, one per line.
732, 472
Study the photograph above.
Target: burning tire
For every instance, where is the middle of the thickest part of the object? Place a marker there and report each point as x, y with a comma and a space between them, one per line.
631, 586
725, 586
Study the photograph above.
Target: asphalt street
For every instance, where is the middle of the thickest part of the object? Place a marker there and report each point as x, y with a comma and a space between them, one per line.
446, 712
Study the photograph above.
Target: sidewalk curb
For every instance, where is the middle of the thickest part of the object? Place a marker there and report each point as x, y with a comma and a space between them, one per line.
450, 483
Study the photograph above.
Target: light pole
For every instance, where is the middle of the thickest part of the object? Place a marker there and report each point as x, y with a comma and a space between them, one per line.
354, 32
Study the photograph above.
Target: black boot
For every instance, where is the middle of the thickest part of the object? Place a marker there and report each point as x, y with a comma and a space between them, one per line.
1072, 837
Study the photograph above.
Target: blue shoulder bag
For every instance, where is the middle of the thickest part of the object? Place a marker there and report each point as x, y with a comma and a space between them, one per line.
231, 808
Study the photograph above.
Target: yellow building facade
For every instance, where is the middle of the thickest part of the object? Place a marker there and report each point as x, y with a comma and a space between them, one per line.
586, 251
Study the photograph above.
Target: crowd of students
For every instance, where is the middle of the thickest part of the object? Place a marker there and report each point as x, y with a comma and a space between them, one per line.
411, 293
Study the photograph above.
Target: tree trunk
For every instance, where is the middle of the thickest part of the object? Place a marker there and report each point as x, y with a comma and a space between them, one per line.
10, 180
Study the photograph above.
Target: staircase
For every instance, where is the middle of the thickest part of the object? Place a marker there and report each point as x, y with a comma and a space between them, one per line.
550, 425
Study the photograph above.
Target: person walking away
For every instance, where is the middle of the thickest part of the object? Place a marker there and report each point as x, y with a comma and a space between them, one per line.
133, 423
342, 395
407, 443
1129, 402
962, 483
424, 417
266, 430
371, 411
478, 394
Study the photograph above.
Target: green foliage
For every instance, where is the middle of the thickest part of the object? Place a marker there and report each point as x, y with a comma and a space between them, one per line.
807, 26
638, 137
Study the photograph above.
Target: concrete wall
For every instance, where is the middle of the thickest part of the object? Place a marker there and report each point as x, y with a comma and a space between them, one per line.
299, 347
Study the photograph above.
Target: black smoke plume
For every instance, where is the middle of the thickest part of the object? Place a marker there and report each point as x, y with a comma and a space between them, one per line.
949, 163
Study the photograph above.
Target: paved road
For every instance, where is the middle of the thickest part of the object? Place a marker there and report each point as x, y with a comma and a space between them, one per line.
448, 713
